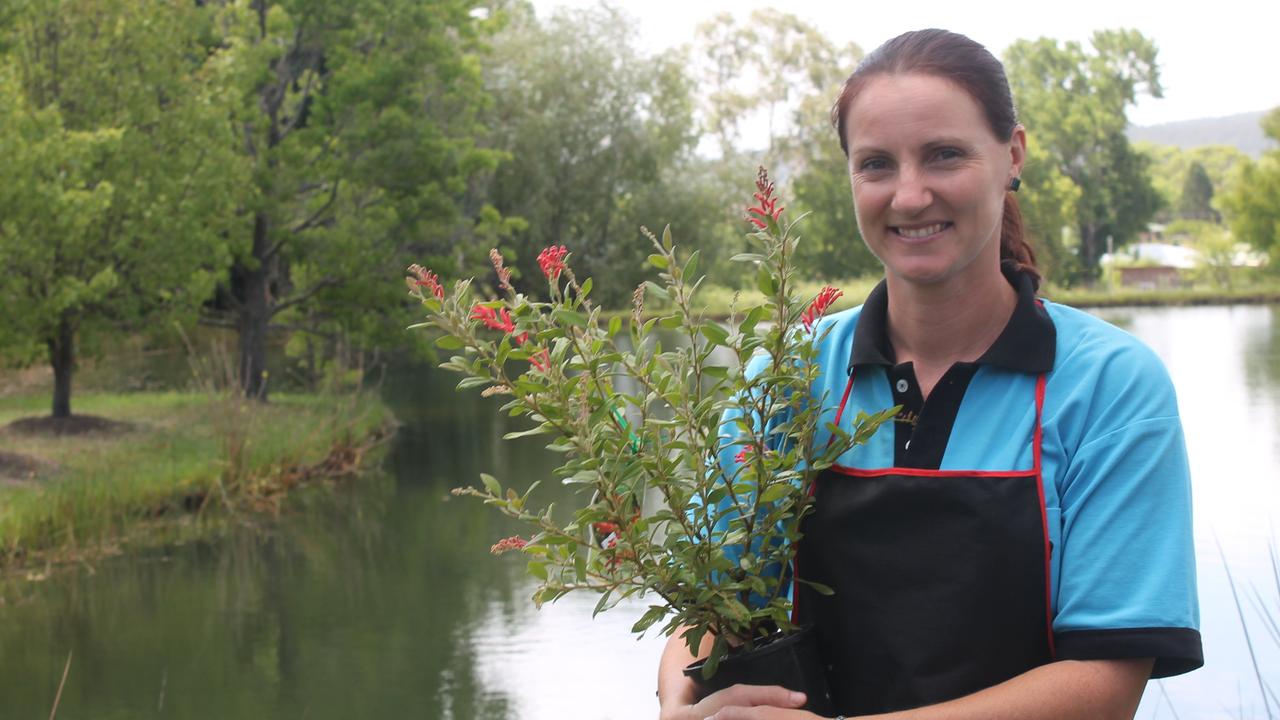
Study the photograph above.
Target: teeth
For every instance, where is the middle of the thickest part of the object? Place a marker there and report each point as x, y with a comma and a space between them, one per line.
920, 232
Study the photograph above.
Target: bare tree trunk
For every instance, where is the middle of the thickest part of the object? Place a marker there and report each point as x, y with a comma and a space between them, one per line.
62, 356
255, 314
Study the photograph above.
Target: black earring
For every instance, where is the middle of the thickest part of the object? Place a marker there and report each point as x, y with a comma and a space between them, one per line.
1014, 184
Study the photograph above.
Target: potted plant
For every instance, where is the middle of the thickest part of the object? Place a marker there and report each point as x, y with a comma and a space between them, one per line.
729, 450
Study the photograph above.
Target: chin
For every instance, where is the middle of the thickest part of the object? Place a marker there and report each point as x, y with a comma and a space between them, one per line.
917, 272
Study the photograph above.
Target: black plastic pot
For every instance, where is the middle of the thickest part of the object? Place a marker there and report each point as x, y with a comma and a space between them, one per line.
792, 661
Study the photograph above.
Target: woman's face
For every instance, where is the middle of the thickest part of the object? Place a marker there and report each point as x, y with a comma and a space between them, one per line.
929, 178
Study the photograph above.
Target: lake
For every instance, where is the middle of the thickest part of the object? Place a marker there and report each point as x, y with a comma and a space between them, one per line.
380, 598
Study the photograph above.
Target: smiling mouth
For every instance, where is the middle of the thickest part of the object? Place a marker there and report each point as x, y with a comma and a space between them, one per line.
919, 232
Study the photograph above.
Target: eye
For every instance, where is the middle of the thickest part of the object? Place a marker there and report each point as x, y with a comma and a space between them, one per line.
873, 164
948, 153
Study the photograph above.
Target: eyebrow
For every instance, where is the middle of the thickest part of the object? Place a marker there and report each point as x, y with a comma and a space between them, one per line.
932, 144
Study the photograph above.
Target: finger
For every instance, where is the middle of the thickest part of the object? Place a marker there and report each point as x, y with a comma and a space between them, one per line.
756, 695
743, 713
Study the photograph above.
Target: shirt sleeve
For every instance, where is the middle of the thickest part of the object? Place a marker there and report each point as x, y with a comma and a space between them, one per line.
1127, 581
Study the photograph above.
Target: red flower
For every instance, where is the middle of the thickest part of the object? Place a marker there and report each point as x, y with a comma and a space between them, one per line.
742, 456
551, 260
423, 277
604, 529
515, 542
819, 306
493, 319
541, 360
767, 207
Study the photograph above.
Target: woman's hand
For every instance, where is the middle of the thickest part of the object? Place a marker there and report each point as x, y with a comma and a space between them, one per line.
743, 702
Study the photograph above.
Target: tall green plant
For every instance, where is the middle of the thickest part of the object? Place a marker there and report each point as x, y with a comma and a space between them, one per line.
635, 415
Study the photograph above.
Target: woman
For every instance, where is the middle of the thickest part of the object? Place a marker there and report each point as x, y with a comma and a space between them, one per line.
1018, 544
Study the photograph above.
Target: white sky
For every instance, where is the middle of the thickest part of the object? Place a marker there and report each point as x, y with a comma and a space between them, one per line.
1216, 58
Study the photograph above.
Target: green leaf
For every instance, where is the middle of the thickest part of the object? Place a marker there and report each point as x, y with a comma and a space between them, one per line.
719, 372
570, 317
713, 660
467, 383
754, 316
491, 484
656, 290
765, 281
651, 616
658, 261
580, 566
671, 321
449, 342
600, 606
586, 288
537, 569
819, 587
666, 238
715, 332
540, 430
775, 492
691, 266
748, 257
615, 324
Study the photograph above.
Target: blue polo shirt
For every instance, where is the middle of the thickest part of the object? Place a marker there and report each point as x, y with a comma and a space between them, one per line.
1114, 465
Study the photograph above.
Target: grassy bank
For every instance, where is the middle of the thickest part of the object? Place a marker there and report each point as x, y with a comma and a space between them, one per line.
167, 462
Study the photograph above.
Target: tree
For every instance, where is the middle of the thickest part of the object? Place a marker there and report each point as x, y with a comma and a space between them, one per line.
775, 65
1196, 201
599, 136
768, 63
1170, 166
831, 248
1252, 200
1047, 201
359, 119
1075, 101
118, 174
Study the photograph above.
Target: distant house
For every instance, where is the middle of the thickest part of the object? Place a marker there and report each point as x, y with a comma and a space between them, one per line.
1151, 265
1150, 277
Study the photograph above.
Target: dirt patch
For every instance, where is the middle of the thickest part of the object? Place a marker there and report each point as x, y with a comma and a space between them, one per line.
16, 469
73, 425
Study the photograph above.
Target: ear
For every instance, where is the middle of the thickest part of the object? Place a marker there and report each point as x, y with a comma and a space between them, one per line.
1017, 151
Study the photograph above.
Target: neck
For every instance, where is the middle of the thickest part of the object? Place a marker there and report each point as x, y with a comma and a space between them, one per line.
956, 321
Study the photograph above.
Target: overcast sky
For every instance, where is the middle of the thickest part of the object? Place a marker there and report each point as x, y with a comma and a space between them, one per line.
1216, 58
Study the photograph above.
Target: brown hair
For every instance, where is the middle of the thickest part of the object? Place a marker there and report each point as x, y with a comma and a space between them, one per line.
970, 66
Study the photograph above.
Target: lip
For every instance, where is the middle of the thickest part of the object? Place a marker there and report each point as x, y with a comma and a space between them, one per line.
897, 230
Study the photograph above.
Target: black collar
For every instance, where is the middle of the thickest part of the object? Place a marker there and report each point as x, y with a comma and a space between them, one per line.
1026, 344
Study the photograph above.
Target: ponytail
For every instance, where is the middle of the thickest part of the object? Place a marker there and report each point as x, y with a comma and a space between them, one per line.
1014, 248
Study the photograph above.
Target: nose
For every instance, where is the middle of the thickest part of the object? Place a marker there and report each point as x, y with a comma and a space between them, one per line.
911, 195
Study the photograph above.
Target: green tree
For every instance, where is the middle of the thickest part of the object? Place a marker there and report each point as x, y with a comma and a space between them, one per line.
775, 65
599, 136
831, 248
118, 174
1075, 102
1170, 166
1048, 200
1196, 201
1252, 200
769, 63
360, 121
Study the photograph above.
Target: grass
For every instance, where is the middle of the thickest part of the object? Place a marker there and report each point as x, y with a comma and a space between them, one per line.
174, 465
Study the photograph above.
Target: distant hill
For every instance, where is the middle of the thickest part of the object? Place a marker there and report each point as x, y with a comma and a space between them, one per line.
1242, 131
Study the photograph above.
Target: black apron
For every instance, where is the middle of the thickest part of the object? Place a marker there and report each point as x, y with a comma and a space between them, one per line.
941, 580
